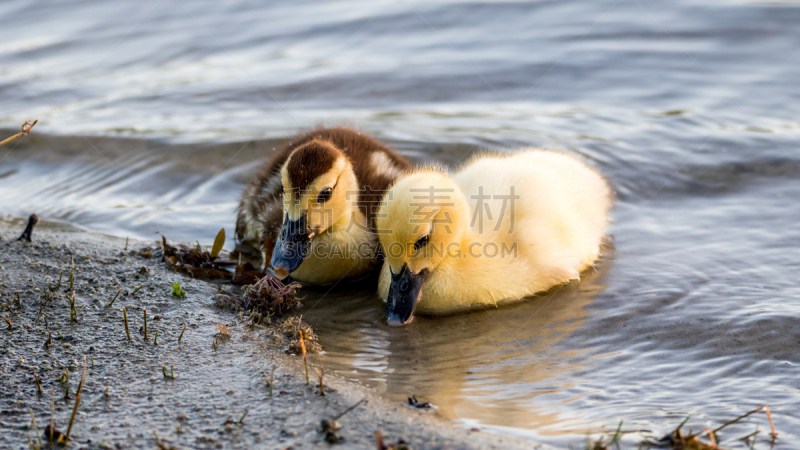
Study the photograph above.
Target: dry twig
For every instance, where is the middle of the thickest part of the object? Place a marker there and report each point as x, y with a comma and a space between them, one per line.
77, 401
26, 129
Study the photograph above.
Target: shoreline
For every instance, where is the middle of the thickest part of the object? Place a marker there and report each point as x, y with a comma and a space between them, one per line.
218, 398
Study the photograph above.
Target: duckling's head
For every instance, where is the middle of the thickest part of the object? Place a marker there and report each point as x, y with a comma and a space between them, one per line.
420, 224
319, 190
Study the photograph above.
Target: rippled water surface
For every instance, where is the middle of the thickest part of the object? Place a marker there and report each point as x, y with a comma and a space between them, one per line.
154, 114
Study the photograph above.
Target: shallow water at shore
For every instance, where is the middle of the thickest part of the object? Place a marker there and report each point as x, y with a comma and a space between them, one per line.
689, 108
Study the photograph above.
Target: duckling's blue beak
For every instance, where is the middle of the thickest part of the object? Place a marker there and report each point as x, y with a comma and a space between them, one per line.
292, 247
403, 296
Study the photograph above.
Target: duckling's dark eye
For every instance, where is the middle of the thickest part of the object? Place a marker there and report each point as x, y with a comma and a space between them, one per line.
422, 242
325, 194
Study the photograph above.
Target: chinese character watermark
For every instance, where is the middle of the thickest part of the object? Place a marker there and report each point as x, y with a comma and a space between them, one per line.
482, 208
422, 215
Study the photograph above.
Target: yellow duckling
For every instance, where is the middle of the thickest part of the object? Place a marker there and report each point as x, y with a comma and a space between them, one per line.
312, 207
502, 228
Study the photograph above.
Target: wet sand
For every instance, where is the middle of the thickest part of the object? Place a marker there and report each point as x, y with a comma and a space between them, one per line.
218, 397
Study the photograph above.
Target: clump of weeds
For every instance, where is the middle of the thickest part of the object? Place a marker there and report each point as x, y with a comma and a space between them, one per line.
268, 297
677, 439
298, 335
271, 297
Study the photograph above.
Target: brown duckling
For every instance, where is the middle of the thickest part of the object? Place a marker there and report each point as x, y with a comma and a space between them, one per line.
311, 209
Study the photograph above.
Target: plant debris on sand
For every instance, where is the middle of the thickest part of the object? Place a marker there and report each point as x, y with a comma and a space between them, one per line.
32, 221
294, 331
380, 443
271, 297
204, 264
266, 298
413, 402
329, 428
223, 331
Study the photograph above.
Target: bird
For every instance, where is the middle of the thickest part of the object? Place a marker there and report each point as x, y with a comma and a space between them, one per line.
310, 211
501, 228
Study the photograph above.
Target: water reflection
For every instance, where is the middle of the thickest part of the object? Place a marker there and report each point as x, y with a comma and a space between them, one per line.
490, 366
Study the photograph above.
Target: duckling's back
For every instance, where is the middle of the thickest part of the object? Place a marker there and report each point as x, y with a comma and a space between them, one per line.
552, 205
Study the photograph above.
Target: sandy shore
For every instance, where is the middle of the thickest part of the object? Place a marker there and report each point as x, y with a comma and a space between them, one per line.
218, 398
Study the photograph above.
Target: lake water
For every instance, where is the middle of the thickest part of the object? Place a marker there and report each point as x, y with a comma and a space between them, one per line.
154, 114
